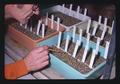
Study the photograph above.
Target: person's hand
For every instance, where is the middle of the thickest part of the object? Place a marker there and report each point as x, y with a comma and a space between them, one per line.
37, 58
21, 12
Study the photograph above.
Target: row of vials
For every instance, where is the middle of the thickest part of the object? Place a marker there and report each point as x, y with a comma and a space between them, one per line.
89, 21
38, 28
96, 26
78, 44
43, 25
78, 9
52, 19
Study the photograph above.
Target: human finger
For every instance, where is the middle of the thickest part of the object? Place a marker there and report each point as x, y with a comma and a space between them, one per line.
40, 48
41, 55
42, 65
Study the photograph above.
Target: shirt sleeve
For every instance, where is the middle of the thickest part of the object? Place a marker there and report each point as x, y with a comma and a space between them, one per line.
15, 70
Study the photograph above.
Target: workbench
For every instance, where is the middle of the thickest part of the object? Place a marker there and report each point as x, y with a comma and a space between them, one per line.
14, 52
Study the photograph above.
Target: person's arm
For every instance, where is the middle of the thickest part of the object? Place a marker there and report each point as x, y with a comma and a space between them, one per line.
38, 57
15, 70
35, 60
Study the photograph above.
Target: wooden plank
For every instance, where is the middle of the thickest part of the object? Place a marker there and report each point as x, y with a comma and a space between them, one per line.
28, 76
52, 74
8, 59
39, 75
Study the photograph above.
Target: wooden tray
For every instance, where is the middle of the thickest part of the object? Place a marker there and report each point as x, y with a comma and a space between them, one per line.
28, 42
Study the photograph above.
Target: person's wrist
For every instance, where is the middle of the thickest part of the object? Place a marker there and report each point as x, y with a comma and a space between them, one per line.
27, 65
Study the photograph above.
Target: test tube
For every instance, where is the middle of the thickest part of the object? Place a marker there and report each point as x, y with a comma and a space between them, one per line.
78, 9
76, 48
97, 45
112, 25
74, 31
88, 26
103, 33
58, 23
63, 5
52, 18
105, 22
59, 39
85, 53
43, 30
99, 20
95, 28
92, 59
25, 26
70, 9
67, 42
38, 27
80, 35
106, 49
31, 28
86, 48
88, 38
105, 28
85, 11
46, 20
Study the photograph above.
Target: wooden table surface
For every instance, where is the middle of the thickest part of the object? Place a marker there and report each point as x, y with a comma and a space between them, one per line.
14, 52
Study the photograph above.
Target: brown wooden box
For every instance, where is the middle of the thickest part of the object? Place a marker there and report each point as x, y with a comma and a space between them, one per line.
26, 41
